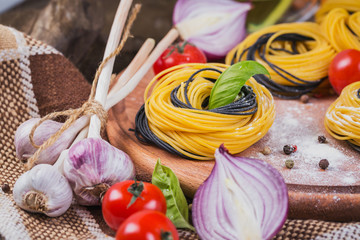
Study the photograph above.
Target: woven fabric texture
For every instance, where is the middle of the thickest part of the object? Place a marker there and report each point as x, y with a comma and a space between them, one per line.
35, 79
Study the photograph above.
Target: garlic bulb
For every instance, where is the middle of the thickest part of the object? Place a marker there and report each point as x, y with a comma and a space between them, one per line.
24, 148
92, 166
44, 190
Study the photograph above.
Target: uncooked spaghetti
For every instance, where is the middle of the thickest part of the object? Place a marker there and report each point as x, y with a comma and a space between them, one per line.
296, 55
342, 29
175, 116
350, 6
342, 117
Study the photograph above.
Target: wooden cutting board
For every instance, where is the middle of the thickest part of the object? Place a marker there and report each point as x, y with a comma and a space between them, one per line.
332, 194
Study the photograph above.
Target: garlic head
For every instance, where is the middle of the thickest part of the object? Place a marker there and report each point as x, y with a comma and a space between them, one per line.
24, 148
92, 166
43, 190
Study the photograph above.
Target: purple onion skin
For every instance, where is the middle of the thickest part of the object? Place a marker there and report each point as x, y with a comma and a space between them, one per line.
215, 43
93, 161
213, 187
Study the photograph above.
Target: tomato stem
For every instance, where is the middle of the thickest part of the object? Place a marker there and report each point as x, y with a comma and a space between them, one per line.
135, 189
178, 47
166, 235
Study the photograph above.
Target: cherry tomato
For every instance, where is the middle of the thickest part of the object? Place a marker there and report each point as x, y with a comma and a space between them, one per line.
128, 197
344, 69
147, 225
180, 53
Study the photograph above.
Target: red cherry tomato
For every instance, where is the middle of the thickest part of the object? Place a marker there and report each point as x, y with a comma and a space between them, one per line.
147, 225
117, 205
180, 53
344, 69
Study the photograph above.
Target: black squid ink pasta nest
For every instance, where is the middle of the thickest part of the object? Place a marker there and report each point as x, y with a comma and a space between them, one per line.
296, 55
175, 116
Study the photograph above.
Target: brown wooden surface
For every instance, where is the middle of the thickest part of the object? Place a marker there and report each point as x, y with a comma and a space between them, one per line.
333, 194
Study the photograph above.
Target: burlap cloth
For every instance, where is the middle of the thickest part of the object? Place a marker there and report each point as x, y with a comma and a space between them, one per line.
35, 79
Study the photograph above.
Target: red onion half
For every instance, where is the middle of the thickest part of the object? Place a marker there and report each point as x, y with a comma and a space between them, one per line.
213, 26
242, 198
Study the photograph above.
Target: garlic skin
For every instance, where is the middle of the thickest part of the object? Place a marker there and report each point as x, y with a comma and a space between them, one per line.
59, 164
43, 190
92, 166
24, 148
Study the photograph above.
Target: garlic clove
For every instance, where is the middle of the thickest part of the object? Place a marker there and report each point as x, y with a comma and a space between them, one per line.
24, 148
92, 166
43, 190
59, 164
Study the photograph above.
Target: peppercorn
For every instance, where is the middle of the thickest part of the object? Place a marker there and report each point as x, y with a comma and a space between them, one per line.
324, 164
289, 149
5, 187
289, 164
266, 150
304, 98
322, 139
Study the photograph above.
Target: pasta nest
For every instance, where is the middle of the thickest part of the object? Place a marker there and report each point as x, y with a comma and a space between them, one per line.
342, 117
175, 115
296, 55
342, 28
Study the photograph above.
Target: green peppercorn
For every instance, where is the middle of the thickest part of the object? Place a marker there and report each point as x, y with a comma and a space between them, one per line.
289, 164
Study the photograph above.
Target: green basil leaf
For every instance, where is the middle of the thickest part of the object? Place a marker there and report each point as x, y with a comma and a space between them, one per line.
230, 82
177, 207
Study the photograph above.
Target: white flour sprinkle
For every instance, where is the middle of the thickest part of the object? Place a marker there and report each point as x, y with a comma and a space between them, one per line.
303, 132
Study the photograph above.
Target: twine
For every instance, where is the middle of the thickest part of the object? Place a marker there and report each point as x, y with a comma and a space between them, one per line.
90, 107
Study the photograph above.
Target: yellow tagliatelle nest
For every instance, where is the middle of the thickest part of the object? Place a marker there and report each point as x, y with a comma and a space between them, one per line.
342, 117
196, 132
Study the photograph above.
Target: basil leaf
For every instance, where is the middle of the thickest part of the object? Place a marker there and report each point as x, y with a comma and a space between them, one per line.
230, 82
177, 207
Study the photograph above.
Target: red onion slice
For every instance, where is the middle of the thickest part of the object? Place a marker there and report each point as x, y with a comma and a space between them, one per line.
212, 25
242, 198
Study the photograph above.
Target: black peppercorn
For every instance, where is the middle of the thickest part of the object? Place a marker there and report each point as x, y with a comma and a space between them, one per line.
6, 188
288, 149
322, 139
289, 164
324, 164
